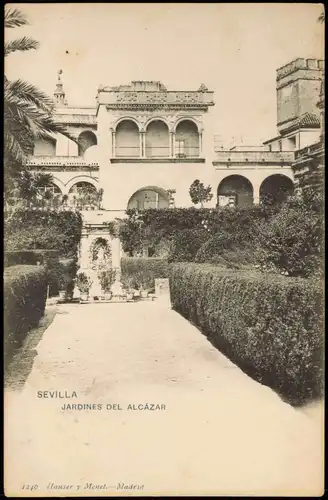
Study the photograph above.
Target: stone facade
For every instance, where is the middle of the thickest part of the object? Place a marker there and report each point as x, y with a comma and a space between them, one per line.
141, 143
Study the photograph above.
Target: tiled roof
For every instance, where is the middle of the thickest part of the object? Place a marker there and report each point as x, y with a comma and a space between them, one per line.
307, 120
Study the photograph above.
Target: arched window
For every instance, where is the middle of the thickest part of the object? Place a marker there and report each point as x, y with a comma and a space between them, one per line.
86, 140
127, 142
149, 197
235, 190
157, 140
48, 195
276, 189
84, 195
186, 140
49, 188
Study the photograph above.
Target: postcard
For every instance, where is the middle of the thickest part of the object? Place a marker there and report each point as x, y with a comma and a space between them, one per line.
163, 215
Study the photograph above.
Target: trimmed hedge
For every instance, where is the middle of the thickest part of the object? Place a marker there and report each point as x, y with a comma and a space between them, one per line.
25, 293
43, 229
138, 271
269, 325
28, 257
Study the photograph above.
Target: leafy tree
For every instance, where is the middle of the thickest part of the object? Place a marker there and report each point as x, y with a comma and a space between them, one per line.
199, 193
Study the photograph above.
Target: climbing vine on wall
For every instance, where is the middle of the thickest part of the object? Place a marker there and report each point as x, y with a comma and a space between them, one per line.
43, 229
152, 226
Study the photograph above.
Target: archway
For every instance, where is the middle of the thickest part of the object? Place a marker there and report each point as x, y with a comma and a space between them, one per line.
276, 189
127, 142
157, 140
186, 140
85, 140
235, 190
100, 252
149, 197
49, 194
84, 195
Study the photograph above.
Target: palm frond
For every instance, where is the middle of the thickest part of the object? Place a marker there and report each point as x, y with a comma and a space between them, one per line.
321, 18
18, 90
13, 147
41, 179
14, 18
21, 44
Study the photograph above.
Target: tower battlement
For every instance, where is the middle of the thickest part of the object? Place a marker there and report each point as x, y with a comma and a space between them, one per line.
300, 68
298, 89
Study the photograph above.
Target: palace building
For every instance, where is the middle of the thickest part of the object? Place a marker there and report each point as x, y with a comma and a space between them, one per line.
142, 145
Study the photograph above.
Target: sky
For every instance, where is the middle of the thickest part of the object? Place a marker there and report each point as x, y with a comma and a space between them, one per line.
234, 49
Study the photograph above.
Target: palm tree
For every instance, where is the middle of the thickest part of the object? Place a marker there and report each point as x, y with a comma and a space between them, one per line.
321, 18
28, 111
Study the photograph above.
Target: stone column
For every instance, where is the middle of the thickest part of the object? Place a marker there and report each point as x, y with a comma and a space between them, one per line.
172, 144
117, 288
200, 140
84, 251
113, 143
142, 144
256, 194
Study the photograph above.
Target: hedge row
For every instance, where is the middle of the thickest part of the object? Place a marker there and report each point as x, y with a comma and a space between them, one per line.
270, 326
29, 257
43, 229
140, 271
25, 292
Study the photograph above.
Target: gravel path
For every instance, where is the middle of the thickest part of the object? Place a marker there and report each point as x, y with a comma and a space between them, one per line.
215, 431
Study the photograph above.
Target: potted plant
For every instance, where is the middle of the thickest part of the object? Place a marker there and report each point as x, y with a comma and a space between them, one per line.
83, 283
63, 281
70, 289
107, 278
141, 278
143, 292
128, 282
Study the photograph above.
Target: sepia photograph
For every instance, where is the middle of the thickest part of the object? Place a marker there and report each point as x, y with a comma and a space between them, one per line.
164, 249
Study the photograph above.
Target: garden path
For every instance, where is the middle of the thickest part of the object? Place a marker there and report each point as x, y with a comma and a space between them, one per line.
221, 432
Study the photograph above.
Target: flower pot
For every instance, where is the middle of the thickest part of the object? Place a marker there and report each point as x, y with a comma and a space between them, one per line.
108, 295
144, 294
84, 296
62, 294
129, 296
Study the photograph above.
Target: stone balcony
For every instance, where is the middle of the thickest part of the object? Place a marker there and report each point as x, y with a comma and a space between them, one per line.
257, 158
153, 95
61, 163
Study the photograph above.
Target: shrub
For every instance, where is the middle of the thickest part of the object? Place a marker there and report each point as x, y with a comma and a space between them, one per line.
292, 242
107, 279
186, 244
24, 304
142, 271
223, 249
151, 227
269, 325
42, 229
61, 274
28, 257
83, 282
